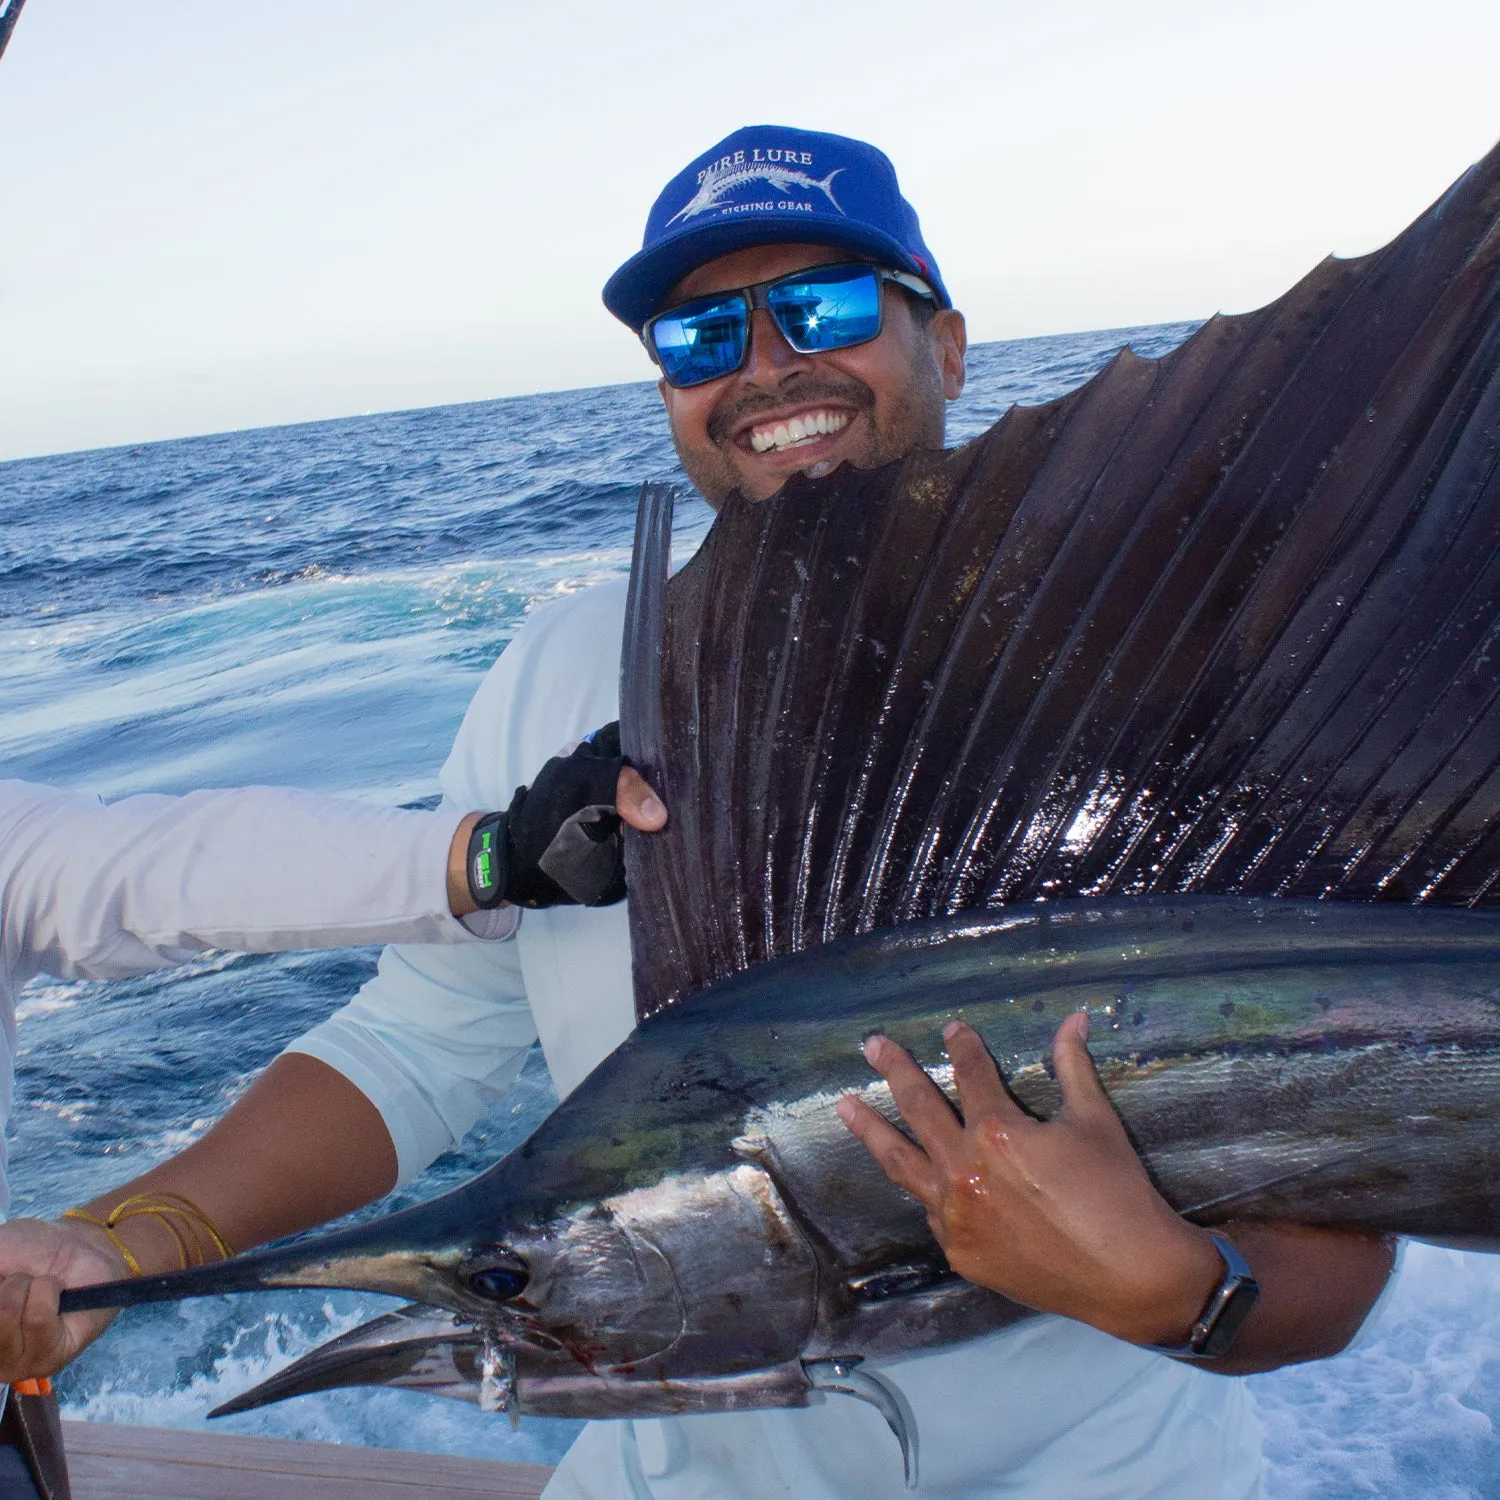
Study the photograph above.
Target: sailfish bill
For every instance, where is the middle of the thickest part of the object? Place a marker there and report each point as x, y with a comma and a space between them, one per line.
1177, 699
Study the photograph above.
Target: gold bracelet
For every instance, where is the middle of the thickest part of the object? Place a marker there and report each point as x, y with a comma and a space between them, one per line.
175, 1212
114, 1239
167, 1207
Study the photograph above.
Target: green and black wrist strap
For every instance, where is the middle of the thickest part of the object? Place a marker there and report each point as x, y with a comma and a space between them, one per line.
559, 842
486, 866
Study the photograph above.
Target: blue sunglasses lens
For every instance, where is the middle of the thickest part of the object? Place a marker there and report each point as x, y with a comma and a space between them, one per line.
815, 310
701, 340
831, 311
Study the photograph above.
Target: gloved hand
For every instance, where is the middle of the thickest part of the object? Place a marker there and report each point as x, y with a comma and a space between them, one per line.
559, 842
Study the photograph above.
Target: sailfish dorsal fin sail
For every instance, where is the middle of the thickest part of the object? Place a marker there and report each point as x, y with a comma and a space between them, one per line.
1226, 621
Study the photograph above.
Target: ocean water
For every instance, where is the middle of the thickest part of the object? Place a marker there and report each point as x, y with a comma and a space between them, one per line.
313, 606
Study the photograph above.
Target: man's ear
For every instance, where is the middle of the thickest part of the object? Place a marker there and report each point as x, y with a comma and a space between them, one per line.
950, 341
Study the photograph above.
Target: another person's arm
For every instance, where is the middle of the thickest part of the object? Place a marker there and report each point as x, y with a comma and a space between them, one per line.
102, 891
1060, 1215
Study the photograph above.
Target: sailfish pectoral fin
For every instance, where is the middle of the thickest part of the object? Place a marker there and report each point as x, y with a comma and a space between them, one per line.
844, 1375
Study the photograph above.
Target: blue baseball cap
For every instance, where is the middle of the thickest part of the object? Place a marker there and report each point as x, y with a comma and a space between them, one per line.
772, 185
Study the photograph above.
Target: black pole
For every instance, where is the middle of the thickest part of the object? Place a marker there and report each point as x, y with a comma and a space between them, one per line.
8, 17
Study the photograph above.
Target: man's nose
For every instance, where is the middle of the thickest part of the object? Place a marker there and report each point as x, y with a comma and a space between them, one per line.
770, 358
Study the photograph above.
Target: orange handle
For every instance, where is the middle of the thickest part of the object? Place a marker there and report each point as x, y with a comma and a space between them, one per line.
42, 1387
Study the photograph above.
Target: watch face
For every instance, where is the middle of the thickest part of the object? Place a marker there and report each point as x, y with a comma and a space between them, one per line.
1237, 1300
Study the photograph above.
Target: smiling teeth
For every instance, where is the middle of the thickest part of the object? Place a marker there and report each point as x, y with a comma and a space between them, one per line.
801, 429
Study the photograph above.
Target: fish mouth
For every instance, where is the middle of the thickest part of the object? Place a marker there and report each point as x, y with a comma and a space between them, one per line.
423, 1349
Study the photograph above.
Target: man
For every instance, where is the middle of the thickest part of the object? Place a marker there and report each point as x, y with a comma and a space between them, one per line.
800, 322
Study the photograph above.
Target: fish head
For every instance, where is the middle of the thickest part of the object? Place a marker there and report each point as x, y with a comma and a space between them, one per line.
655, 1275
695, 1293
580, 1282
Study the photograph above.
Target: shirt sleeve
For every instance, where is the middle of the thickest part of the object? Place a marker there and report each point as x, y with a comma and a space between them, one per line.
89, 890
437, 1035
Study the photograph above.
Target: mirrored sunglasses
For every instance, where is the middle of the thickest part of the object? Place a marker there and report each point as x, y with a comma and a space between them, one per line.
821, 308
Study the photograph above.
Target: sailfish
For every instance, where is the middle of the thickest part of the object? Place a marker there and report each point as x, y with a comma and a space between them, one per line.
1177, 698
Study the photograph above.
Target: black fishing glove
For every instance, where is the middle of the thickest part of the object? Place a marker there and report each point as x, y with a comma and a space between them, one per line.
559, 841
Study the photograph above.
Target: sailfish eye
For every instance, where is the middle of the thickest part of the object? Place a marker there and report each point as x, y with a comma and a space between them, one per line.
500, 1280
498, 1283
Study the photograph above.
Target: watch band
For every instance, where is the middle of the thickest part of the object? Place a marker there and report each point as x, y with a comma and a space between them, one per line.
486, 863
1214, 1333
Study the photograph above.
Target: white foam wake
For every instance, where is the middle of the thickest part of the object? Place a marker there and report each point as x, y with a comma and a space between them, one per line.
1410, 1410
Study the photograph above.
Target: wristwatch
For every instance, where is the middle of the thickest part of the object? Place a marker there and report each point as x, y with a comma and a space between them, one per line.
1216, 1330
487, 862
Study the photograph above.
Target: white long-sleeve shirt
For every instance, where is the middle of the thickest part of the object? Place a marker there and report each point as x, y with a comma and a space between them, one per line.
1046, 1410
89, 891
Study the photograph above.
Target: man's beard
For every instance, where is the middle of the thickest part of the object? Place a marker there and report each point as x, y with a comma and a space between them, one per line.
909, 418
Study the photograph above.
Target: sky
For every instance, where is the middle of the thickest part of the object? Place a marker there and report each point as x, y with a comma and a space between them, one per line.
218, 215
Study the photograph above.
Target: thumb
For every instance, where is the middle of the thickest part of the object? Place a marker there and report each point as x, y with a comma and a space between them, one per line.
637, 803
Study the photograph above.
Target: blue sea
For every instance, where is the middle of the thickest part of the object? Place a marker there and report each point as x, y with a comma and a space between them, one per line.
313, 606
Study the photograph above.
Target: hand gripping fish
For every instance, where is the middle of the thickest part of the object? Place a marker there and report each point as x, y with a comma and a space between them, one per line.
1178, 699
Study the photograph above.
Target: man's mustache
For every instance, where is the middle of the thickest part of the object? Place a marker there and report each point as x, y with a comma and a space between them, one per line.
734, 410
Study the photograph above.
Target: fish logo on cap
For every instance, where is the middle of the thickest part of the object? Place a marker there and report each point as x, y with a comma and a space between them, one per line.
731, 173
